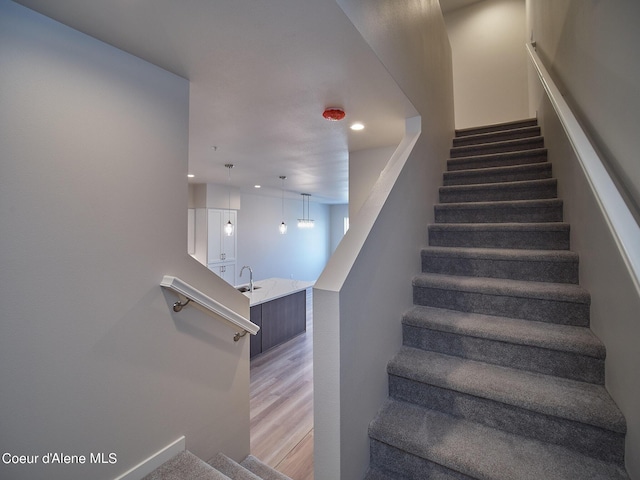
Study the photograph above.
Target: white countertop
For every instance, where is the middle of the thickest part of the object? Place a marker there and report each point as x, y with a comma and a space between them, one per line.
272, 288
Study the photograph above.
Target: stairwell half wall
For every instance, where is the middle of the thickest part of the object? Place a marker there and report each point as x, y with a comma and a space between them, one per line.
360, 296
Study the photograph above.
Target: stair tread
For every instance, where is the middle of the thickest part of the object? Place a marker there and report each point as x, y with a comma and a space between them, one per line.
513, 254
374, 474
543, 202
480, 451
186, 465
231, 468
529, 152
566, 338
563, 292
523, 132
510, 144
261, 469
527, 227
494, 170
461, 132
513, 185
550, 395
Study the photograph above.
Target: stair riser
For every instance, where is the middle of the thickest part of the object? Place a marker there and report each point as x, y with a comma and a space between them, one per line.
499, 192
473, 177
524, 357
510, 213
493, 137
585, 439
535, 271
498, 147
398, 463
511, 160
527, 240
463, 132
536, 309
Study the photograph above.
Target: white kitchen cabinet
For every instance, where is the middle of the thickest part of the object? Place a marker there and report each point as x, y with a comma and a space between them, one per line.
226, 271
212, 247
220, 247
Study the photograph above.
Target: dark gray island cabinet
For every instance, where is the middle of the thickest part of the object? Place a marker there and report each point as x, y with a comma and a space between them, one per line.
279, 320
279, 308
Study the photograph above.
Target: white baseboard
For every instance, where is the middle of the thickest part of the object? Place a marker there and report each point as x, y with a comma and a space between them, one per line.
154, 461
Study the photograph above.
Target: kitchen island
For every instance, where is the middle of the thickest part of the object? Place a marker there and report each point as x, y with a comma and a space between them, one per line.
279, 308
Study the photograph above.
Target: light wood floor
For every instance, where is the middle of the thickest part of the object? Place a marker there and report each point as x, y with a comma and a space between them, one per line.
282, 404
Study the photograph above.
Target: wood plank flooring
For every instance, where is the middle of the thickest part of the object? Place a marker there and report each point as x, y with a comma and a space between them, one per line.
282, 404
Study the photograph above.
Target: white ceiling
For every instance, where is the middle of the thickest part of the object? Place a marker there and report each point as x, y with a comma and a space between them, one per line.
261, 74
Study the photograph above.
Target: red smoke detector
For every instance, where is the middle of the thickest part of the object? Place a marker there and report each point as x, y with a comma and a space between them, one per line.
334, 114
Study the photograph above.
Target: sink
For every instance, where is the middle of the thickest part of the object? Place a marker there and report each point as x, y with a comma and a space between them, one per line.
245, 288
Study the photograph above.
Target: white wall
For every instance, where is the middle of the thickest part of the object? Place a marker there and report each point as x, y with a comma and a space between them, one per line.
590, 48
489, 62
364, 170
360, 296
337, 214
93, 193
300, 253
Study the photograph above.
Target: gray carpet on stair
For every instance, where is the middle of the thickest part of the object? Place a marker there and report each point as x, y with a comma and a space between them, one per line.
557, 266
561, 350
500, 377
184, 466
580, 401
554, 303
466, 174
527, 236
262, 470
478, 451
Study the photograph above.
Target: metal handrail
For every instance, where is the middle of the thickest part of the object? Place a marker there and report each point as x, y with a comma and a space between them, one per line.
195, 295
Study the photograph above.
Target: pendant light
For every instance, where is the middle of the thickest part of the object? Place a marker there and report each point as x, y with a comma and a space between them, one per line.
283, 226
228, 228
305, 221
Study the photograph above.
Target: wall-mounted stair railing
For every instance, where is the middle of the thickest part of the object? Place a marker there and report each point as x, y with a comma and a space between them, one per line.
211, 305
623, 226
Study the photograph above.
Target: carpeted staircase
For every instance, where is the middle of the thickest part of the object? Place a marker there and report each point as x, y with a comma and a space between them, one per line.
186, 466
500, 377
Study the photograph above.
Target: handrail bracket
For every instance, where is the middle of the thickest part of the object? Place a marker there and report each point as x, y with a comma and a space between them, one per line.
177, 306
239, 335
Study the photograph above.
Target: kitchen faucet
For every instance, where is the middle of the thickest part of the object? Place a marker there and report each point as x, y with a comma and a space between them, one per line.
250, 276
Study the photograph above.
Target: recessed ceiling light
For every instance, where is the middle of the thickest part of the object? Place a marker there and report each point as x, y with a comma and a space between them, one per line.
257, 186
357, 126
190, 175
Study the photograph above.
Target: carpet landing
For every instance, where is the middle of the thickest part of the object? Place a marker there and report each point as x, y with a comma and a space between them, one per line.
500, 377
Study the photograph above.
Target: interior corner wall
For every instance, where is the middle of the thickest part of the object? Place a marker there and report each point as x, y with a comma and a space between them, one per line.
93, 198
489, 62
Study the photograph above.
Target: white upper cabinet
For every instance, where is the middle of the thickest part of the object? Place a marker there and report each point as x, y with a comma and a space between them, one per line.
220, 247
